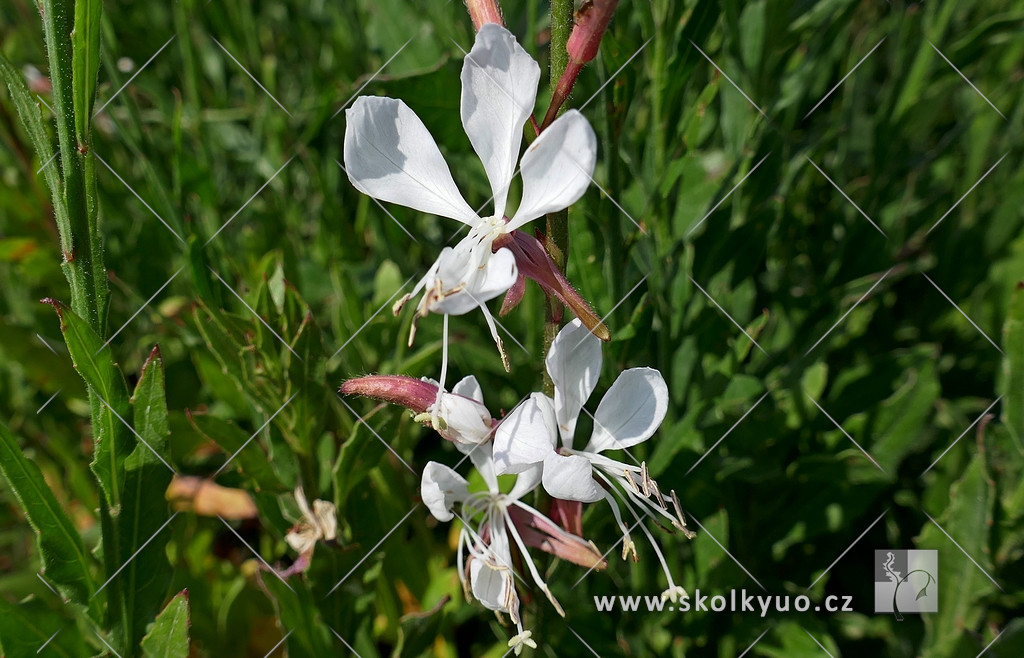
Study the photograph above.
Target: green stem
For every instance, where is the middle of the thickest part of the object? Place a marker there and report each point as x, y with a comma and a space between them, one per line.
72, 48
79, 234
557, 224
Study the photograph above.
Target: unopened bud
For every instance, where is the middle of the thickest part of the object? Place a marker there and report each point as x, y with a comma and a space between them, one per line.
413, 394
591, 21
483, 12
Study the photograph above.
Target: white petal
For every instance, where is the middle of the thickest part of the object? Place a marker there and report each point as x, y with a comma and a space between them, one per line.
526, 436
527, 481
481, 456
571, 478
499, 91
469, 387
463, 420
630, 411
390, 156
475, 281
493, 586
440, 489
556, 168
465, 278
574, 363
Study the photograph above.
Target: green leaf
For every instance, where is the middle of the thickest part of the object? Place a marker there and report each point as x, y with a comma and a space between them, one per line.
113, 440
169, 636
65, 561
27, 626
32, 120
252, 461
968, 520
298, 611
85, 64
1013, 368
143, 583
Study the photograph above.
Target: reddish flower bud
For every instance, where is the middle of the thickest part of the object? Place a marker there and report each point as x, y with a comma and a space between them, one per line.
484, 11
591, 21
409, 392
584, 43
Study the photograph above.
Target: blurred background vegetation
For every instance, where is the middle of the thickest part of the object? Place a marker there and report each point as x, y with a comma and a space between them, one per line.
191, 142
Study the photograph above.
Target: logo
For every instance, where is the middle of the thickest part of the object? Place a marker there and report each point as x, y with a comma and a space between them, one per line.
906, 582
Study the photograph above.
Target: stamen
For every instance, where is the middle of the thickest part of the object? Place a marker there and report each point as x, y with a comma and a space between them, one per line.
645, 479
689, 534
511, 528
444, 372
657, 495
654, 544
628, 477
497, 339
397, 307
627, 542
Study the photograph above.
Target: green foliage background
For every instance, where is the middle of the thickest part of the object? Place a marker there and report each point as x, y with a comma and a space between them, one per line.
785, 494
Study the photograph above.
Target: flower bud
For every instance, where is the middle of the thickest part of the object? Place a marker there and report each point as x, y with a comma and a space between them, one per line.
413, 394
484, 11
591, 21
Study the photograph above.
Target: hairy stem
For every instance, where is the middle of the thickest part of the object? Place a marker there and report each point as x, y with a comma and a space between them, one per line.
79, 235
557, 224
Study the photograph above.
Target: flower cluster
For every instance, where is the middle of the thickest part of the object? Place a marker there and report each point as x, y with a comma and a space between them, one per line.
390, 156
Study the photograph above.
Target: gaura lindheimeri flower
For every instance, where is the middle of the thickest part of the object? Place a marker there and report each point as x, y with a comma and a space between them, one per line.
629, 413
390, 155
459, 416
492, 522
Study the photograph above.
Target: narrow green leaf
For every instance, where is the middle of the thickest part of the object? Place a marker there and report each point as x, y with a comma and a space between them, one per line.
169, 636
113, 439
65, 561
144, 509
968, 520
85, 63
32, 120
1013, 368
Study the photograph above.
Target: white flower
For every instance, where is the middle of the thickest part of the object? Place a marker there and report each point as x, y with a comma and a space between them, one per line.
492, 522
390, 155
460, 416
629, 413
318, 523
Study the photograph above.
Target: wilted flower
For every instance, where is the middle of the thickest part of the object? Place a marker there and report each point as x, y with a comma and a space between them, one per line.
318, 523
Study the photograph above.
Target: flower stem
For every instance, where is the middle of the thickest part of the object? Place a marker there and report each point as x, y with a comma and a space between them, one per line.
79, 236
557, 225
